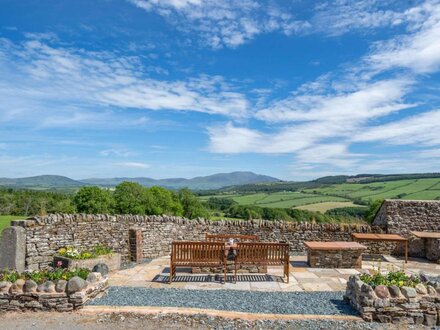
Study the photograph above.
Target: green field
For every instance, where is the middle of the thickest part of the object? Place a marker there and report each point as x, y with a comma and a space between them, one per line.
5, 221
341, 195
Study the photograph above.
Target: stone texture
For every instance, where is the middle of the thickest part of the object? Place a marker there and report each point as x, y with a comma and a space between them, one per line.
30, 286
382, 291
349, 258
421, 289
13, 248
101, 268
61, 286
409, 308
94, 277
76, 284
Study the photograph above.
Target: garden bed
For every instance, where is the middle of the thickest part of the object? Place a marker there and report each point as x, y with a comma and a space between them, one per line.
71, 258
395, 298
59, 290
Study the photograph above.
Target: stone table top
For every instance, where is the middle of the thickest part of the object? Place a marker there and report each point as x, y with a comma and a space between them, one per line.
334, 246
426, 234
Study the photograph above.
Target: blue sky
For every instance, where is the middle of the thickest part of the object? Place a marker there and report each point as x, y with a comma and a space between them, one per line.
179, 88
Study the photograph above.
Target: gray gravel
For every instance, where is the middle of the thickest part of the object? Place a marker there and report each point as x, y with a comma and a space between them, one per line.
322, 303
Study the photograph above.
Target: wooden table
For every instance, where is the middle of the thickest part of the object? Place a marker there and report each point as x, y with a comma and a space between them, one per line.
432, 244
383, 238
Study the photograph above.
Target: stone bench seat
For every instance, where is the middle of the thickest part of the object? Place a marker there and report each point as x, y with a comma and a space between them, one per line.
334, 254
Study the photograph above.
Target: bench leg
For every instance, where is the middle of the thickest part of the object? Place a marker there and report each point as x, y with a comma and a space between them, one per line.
235, 272
225, 268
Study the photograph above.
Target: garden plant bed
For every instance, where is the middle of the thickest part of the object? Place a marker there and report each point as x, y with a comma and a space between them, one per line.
411, 301
21, 293
113, 261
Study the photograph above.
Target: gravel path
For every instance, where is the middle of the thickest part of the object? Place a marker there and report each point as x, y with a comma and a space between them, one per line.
322, 303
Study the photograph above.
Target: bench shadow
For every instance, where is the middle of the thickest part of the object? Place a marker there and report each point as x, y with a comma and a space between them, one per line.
344, 307
217, 278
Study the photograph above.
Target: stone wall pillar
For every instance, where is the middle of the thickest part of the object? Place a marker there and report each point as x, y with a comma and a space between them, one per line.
13, 248
135, 238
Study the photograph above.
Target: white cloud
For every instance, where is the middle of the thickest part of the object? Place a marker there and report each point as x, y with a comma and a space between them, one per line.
222, 23
418, 51
134, 165
34, 74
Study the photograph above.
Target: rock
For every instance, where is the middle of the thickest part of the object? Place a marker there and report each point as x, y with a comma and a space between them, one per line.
61, 286
430, 320
4, 286
76, 284
408, 292
101, 268
394, 291
423, 277
431, 291
49, 287
382, 291
30, 286
17, 287
421, 289
94, 277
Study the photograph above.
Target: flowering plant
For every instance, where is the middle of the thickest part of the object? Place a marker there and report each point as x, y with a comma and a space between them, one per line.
72, 253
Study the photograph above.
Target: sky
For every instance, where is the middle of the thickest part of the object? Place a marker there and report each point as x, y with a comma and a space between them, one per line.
295, 89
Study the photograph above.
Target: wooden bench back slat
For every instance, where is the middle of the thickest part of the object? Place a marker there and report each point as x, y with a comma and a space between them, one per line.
225, 237
264, 252
183, 251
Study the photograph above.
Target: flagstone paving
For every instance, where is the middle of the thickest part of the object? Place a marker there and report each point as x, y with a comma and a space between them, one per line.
301, 278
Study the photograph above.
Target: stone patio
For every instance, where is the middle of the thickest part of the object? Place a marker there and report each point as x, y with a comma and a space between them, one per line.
302, 277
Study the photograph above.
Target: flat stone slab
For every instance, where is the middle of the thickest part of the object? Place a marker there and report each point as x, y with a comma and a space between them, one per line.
334, 246
426, 234
378, 237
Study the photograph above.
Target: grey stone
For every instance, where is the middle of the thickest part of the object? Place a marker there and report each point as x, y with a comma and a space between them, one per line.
408, 292
382, 291
94, 277
13, 248
76, 284
431, 291
4, 286
421, 289
30, 286
61, 286
101, 268
394, 291
430, 320
48, 287
17, 287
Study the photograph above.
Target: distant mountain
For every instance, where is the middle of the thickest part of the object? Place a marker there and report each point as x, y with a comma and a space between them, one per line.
214, 181
41, 181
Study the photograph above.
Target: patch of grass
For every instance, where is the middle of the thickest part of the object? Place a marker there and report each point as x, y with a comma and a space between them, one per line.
325, 206
5, 221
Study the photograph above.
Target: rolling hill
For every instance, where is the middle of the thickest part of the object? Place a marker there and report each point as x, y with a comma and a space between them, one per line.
214, 181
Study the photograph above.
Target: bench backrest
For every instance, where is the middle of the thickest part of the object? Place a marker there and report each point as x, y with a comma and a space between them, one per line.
186, 251
236, 237
255, 251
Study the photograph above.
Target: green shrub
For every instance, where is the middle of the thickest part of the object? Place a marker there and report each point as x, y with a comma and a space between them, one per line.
398, 278
72, 253
41, 276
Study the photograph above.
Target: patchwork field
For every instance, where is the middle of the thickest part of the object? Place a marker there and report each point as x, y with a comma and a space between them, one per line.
341, 195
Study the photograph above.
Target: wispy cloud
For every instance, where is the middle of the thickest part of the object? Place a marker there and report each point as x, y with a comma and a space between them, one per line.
134, 165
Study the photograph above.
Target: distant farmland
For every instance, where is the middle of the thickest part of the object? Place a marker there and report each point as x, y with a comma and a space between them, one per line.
341, 195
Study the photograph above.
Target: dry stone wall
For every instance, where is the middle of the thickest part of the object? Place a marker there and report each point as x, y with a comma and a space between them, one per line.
403, 216
46, 235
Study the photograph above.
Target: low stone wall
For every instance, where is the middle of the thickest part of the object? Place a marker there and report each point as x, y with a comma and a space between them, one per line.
112, 261
60, 296
420, 305
46, 235
335, 258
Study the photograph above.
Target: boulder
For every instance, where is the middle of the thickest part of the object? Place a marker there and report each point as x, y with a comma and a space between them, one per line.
4, 286
382, 291
408, 292
17, 287
101, 268
30, 286
61, 286
421, 289
394, 291
431, 290
76, 284
49, 287
94, 277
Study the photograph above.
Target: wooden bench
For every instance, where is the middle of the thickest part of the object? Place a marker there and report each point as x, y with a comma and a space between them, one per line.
334, 254
269, 254
197, 254
382, 238
225, 237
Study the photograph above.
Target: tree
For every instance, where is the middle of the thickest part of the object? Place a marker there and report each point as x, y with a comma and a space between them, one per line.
192, 207
93, 200
163, 201
132, 198
372, 210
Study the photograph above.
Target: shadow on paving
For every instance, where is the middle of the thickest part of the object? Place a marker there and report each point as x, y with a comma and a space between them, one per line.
218, 278
311, 303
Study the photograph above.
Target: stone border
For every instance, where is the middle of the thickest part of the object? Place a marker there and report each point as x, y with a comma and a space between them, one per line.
60, 296
405, 305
